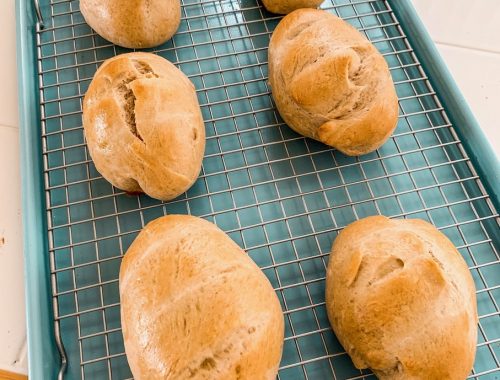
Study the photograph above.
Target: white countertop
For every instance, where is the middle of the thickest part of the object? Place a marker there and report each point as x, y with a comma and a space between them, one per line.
12, 319
471, 52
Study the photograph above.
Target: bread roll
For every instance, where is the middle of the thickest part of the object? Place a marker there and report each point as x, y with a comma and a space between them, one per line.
287, 6
401, 300
330, 83
143, 125
195, 306
133, 23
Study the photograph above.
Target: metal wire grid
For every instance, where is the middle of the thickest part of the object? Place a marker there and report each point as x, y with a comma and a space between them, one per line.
281, 197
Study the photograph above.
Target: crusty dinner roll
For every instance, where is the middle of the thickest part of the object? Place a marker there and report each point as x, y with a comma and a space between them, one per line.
133, 23
143, 125
287, 6
330, 83
195, 306
401, 300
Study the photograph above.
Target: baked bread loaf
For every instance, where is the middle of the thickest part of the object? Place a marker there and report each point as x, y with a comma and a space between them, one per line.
287, 6
330, 83
133, 24
195, 306
143, 125
402, 301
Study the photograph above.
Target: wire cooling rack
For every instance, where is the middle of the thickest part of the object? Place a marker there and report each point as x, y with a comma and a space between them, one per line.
281, 197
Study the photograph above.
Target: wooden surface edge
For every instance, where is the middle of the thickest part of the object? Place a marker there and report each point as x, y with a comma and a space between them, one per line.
6, 375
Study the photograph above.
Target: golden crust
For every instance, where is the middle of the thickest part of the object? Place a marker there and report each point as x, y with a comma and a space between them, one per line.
287, 6
133, 24
195, 306
401, 300
143, 125
330, 83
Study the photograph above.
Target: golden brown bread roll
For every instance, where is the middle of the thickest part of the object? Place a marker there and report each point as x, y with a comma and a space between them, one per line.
195, 306
330, 83
143, 125
287, 6
133, 23
402, 301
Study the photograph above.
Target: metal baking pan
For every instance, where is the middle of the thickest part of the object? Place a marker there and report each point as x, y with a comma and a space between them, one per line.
281, 197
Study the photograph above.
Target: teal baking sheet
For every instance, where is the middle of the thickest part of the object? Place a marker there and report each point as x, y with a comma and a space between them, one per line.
280, 196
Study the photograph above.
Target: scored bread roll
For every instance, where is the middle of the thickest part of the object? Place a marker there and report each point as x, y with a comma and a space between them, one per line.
195, 306
143, 125
330, 83
287, 6
401, 300
133, 24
